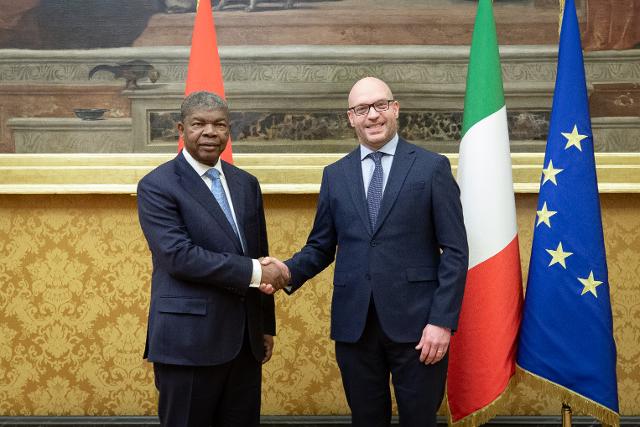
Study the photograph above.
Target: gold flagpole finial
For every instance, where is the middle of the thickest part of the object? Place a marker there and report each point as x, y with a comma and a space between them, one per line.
559, 17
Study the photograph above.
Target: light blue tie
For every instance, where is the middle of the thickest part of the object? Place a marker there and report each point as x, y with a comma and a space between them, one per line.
374, 192
221, 197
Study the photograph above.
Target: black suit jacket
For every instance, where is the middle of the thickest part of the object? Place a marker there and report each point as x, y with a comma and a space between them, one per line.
201, 302
414, 263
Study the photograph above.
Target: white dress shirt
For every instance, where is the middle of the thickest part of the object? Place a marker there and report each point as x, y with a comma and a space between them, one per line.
368, 165
201, 169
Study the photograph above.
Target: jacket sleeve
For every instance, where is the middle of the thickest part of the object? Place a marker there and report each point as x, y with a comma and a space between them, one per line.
320, 249
452, 239
267, 301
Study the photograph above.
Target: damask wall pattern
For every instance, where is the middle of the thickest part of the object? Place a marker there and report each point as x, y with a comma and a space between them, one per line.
74, 287
622, 240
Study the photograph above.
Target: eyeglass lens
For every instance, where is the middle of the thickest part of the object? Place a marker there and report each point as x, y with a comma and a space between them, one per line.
379, 106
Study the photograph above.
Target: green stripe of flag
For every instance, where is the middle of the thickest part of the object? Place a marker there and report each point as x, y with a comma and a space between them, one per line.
484, 95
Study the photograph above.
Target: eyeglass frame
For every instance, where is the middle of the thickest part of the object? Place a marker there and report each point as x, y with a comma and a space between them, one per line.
389, 101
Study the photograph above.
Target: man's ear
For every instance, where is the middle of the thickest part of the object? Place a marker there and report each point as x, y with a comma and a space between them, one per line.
180, 128
396, 108
350, 115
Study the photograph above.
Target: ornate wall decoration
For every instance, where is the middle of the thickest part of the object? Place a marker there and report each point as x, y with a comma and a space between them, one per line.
74, 276
315, 64
74, 299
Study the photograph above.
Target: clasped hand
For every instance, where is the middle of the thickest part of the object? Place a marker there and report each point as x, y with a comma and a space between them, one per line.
275, 275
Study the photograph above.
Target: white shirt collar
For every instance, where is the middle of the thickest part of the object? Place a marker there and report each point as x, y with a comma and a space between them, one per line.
389, 148
200, 168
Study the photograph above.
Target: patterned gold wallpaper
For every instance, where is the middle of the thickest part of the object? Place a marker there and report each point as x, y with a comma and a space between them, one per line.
74, 286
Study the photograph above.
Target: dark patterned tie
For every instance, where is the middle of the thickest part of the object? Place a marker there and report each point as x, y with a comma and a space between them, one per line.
374, 193
218, 192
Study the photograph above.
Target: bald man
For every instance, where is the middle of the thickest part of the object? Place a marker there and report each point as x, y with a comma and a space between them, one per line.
393, 210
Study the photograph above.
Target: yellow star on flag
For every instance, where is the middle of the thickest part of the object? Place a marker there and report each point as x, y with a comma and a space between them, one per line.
574, 138
544, 215
550, 173
590, 284
558, 256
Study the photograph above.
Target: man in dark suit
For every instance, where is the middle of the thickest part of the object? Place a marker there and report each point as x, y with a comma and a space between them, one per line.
392, 211
210, 328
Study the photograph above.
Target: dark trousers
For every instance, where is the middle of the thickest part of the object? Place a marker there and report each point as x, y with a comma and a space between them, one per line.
366, 366
226, 395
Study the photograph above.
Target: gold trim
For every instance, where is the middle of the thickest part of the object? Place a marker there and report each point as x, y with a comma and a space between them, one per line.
560, 16
483, 415
279, 173
576, 401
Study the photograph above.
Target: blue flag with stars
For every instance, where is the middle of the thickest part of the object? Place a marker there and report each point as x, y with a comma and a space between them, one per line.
566, 335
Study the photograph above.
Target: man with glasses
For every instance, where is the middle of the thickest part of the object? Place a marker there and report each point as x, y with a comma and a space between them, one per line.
392, 212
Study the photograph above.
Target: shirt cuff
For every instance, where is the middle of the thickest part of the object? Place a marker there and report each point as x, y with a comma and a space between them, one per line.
256, 275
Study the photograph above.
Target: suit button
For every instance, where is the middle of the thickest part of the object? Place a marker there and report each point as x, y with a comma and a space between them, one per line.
367, 276
373, 243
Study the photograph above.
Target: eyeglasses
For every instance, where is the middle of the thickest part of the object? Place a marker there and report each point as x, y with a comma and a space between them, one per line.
379, 106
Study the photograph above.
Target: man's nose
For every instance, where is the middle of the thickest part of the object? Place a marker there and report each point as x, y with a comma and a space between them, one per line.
372, 113
208, 129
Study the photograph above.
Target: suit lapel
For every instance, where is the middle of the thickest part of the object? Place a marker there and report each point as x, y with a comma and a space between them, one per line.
402, 162
195, 186
353, 170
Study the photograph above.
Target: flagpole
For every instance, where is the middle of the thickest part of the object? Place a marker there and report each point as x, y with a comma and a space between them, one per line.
566, 415
566, 409
560, 16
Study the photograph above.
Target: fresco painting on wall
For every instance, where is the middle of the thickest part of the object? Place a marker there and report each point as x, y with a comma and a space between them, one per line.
86, 24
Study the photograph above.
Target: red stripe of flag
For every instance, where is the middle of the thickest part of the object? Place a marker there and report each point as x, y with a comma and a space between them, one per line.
487, 333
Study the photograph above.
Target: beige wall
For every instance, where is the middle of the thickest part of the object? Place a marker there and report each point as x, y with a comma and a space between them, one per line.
74, 286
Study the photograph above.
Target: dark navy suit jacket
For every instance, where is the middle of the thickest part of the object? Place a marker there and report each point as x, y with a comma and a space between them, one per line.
200, 296
414, 262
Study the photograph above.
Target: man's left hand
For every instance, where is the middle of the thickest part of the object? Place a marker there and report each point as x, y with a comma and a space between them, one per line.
268, 347
433, 344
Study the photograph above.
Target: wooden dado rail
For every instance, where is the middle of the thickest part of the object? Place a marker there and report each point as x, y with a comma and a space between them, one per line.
277, 173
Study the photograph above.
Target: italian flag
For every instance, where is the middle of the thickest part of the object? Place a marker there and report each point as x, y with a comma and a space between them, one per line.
483, 350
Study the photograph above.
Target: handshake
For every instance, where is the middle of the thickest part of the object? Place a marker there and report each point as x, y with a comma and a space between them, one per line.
275, 275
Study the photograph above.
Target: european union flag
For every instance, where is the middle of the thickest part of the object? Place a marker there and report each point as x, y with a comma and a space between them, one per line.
566, 336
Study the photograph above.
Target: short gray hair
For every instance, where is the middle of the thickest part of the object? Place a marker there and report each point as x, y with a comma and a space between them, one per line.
202, 101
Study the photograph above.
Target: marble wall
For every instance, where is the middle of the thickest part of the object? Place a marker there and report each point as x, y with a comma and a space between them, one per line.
420, 127
293, 98
297, 64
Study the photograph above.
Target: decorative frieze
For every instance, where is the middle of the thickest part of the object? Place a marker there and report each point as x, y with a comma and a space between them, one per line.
315, 64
